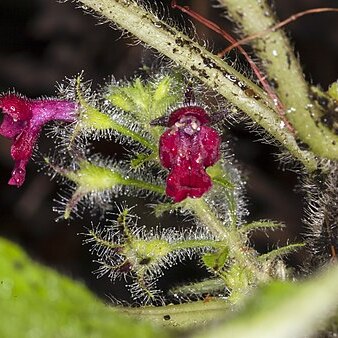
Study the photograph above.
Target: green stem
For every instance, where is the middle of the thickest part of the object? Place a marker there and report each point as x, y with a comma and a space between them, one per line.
207, 67
232, 208
134, 136
282, 66
232, 238
203, 212
207, 286
282, 251
187, 244
182, 315
121, 219
260, 225
144, 185
103, 242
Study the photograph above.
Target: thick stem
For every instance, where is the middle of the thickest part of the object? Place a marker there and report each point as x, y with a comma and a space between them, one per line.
232, 238
203, 212
181, 315
210, 69
283, 68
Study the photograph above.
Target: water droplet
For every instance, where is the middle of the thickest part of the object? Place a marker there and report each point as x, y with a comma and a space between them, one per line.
232, 78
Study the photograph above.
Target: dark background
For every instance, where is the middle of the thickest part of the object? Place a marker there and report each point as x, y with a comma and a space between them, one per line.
42, 42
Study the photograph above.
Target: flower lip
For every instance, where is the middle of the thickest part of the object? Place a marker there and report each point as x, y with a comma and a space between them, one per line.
16, 107
187, 148
199, 113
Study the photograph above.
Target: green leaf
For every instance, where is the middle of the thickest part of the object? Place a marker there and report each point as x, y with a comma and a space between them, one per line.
37, 302
120, 100
284, 310
167, 92
333, 90
218, 176
146, 101
217, 260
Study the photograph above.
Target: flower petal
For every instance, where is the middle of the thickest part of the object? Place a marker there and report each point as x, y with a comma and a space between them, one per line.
210, 143
186, 149
197, 112
184, 182
9, 128
15, 106
23, 120
169, 145
18, 173
23, 144
48, 110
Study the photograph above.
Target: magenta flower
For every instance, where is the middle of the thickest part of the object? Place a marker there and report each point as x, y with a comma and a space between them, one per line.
187, 149
22, 122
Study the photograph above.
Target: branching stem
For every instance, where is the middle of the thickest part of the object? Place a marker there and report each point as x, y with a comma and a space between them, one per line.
232, 238
283, 68
202, 64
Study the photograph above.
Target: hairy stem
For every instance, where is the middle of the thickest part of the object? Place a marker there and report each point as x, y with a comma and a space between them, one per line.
144, 185
283, 68
202, 64
181, 315
232, 238
196, 243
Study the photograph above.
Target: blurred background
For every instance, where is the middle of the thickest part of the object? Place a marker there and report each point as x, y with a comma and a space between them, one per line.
43, 41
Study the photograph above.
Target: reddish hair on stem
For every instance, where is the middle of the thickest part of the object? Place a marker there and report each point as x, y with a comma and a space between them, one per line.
217, 29
281, 24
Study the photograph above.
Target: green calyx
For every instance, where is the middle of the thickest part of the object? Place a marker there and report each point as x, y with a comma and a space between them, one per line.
94, 179
146, 252
91, 177
146, 101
